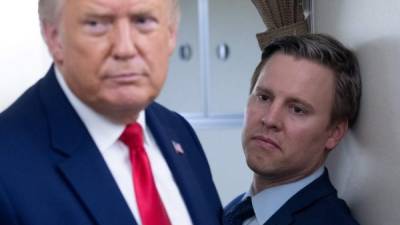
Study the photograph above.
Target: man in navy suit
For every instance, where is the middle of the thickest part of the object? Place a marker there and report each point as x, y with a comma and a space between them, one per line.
305, 93
86, 144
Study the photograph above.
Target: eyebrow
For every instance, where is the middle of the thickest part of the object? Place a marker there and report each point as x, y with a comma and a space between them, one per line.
302, 102
96, 12
259, 89
290, 99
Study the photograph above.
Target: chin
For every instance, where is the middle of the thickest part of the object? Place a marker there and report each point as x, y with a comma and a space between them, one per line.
129, 106
255, 163
117, 110
129, 98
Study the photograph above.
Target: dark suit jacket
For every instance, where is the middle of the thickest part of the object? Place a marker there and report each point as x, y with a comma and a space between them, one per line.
51, 172
316, 204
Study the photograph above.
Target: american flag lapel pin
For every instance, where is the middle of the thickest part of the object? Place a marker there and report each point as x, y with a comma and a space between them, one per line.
178, 148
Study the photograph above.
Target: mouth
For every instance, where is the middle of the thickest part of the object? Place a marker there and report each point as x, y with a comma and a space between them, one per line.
124, 77
266, 142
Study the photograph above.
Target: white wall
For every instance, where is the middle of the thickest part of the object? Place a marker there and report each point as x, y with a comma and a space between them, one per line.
367, 165
224, 152
23, 57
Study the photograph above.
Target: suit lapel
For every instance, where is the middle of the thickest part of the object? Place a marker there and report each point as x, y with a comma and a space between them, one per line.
316, 190
81, 164
180, 167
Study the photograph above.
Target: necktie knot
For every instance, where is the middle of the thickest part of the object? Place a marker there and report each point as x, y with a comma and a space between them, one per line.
241, 212
133, 136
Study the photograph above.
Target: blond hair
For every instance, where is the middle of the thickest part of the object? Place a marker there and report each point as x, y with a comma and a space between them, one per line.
49, 11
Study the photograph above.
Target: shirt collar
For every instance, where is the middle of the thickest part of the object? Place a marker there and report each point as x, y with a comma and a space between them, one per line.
268, 201
103, 131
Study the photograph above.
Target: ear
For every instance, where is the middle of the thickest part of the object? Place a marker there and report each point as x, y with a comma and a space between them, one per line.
336, 133
173, 30
52, 37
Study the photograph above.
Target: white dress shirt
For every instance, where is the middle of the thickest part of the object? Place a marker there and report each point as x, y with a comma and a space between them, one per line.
105, 134
267, 202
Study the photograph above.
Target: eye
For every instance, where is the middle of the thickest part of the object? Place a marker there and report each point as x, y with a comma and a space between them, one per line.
92, 23
145, 23
263, 97
298, 110
96, 26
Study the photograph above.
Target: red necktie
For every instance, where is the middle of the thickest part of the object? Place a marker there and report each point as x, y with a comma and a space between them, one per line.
151, 208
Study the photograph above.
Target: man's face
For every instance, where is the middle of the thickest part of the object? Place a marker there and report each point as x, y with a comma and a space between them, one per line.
114, 53
287, 130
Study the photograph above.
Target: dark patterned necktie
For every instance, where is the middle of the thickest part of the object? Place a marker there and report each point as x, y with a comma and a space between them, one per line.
239, 213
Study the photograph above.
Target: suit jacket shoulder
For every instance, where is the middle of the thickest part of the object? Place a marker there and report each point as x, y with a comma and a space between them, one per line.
185, 157
231, 205
51, 172
316, 204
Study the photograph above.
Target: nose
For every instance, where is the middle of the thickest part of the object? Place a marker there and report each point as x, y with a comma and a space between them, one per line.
124, 44
273, 116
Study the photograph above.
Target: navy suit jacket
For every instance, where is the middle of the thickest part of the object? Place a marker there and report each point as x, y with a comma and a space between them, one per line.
315, 204
52, 173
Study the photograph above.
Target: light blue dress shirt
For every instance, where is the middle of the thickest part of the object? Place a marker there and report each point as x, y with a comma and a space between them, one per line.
268, 201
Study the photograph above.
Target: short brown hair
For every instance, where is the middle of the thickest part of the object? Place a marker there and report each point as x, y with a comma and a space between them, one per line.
329, 52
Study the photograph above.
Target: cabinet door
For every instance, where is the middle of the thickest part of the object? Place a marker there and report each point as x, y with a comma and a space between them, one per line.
183, 89
213, 85
233, 23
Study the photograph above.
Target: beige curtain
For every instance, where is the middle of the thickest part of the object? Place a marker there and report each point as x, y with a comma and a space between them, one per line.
282, 17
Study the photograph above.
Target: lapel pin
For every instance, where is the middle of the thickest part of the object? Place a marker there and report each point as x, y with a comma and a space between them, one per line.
178, 148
